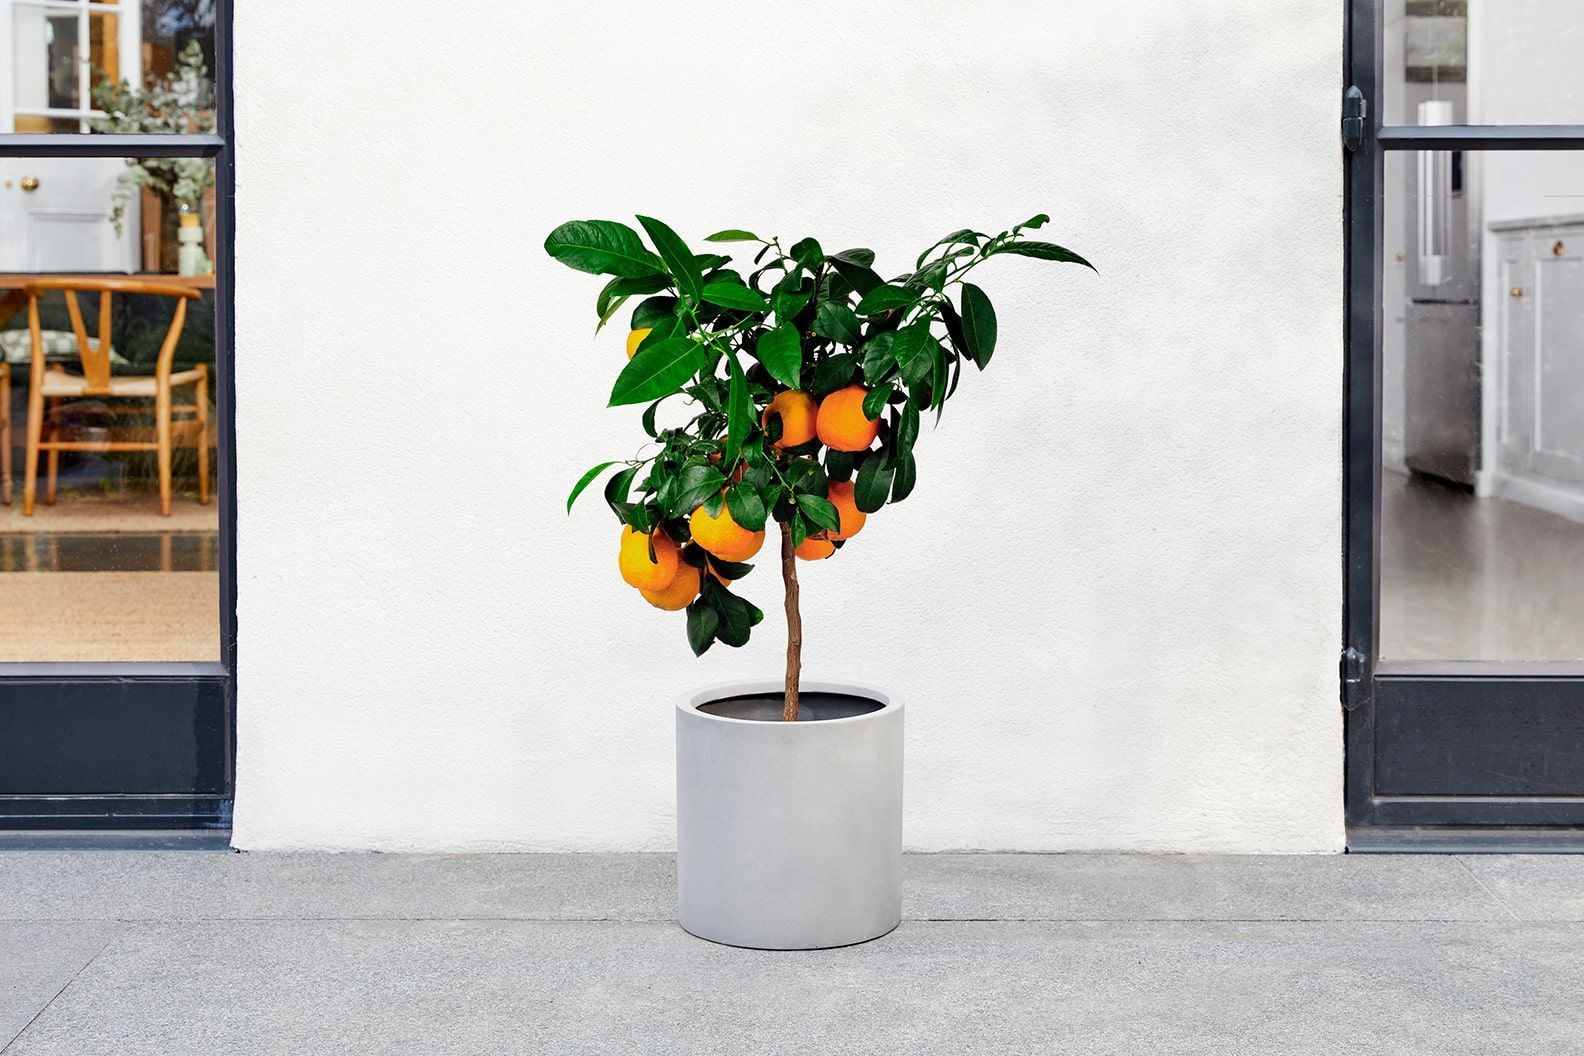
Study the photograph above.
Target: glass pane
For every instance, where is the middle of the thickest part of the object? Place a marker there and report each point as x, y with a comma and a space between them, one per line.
146, 66
44, 59
1482, 518
102, 569
1484, 62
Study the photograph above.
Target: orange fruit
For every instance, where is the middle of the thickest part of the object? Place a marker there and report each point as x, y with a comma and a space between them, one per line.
723, 536
796, 410
852, 518
635, 339
636, 567
680, 594
841, 423
816, 548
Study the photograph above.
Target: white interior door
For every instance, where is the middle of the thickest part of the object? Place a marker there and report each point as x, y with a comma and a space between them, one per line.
55, 213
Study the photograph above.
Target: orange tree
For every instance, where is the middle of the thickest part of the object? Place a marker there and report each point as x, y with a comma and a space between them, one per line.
804, 374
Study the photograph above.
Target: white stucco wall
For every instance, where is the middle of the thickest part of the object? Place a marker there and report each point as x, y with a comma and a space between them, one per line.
1112, 604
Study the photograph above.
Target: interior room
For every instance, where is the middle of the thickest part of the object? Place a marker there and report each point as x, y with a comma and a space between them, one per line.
108, 527
1482, 439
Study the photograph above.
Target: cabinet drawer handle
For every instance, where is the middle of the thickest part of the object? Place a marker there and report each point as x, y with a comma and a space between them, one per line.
1558, 249
1517, 291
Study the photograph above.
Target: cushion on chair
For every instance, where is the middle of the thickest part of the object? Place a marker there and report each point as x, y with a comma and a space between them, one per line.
60, 346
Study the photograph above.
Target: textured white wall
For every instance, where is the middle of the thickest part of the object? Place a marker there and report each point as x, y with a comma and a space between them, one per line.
1113, 603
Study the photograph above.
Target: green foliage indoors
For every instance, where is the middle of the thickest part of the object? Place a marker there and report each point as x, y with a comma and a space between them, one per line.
726, 337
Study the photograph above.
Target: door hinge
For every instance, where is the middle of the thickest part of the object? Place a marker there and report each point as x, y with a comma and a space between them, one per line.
1355, 678
1355, 108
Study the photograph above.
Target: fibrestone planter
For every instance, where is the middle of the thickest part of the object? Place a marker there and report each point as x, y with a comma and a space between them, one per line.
789, 834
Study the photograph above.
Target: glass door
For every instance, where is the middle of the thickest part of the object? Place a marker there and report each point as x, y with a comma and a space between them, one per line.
117, 641
1464, 667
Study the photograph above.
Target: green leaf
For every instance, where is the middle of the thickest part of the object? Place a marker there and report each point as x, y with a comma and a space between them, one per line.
932, 276
873, 483
906, 477
657, 370
800, 530
739, 410
1042, 251
584, 481
864, 258
879, 357
678, 258
807, 477
858, 275
832, 373
808, 253
610, 310
954, 327
839, 465
938, 392
790, 297
601, 247
735, 296
875, 401
912, 352
821, 511
730, 569
963, 237
907, 428
698, 483
885, 298
746, 507
701, 625
651, 311
837, 322
781, 352
732, 234
979, 325
1038, 220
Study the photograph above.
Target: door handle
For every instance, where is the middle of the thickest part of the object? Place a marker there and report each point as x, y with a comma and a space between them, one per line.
30, 183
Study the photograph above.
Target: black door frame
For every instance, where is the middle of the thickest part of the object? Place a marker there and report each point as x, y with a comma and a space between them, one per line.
140, 745
1414, 731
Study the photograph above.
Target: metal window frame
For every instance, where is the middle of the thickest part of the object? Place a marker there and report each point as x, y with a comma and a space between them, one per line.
210, 687
1378, 820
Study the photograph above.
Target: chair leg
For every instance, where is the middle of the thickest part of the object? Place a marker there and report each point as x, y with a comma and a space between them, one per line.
5, 433
35, 430
52, 463
202, 400
162, 440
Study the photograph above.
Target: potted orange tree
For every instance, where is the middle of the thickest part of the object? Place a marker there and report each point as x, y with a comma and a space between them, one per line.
785, 391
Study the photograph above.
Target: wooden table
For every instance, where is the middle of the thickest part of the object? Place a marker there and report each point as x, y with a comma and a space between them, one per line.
14, 301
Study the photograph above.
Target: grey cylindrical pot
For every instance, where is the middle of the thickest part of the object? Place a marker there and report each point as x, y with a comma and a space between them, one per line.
789, 834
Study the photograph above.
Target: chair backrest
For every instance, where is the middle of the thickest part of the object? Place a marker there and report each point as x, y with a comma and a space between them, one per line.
95, 355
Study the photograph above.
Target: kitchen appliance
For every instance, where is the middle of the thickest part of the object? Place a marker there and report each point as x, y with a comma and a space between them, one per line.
1441, 425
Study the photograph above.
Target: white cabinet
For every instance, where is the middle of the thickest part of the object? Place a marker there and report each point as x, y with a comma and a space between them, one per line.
1539, 318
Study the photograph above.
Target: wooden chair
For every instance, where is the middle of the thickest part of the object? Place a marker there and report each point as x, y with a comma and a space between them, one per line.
97, 382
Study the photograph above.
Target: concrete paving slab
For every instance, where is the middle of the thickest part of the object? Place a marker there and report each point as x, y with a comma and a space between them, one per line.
1094, 988
206, 886
1193, 887
177, 885
1534, 886
37, 960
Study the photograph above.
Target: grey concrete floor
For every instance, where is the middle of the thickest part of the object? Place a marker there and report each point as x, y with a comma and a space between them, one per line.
130, 952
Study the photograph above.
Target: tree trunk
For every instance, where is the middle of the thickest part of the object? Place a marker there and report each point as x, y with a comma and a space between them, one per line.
794, 620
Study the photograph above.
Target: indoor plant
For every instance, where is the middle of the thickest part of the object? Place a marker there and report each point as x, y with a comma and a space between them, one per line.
179, 189
802, 379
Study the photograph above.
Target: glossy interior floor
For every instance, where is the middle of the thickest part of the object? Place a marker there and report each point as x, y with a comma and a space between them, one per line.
107, 578
172, 953
1464, 578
